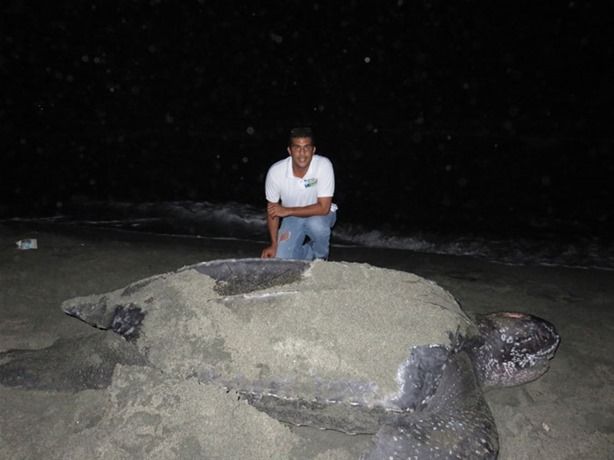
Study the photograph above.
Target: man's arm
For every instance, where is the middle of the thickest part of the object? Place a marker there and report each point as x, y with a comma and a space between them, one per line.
321, 208
273, 226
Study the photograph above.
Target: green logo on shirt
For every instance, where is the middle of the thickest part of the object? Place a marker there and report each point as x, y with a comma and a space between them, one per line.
310, 182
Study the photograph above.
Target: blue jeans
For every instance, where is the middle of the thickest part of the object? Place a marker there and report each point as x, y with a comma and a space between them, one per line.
293, 231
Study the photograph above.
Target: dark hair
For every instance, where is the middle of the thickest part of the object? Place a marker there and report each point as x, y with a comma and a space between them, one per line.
301, 131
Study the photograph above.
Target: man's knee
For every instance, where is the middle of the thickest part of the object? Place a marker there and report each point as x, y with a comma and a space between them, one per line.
318, 226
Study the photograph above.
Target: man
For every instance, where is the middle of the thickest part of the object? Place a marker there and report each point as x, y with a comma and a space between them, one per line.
299, 191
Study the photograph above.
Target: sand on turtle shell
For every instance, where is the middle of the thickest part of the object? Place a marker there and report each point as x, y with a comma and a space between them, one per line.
343, 331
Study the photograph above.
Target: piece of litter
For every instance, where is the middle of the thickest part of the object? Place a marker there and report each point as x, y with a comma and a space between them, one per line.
29, 243
546, 427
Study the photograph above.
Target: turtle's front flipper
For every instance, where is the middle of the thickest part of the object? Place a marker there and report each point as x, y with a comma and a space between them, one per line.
456, 424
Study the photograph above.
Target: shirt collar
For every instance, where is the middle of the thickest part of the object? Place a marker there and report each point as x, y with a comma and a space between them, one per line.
290, 173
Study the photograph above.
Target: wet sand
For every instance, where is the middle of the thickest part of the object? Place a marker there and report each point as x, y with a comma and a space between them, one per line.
568, 413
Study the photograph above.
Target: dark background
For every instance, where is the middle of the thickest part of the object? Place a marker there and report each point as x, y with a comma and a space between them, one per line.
436, 114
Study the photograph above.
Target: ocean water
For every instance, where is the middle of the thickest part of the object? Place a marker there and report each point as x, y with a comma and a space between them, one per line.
233, 220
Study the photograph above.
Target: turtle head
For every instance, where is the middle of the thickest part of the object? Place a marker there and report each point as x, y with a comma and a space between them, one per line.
516, 348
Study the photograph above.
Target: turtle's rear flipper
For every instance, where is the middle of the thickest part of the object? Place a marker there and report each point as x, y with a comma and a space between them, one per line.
69, 364
457, 422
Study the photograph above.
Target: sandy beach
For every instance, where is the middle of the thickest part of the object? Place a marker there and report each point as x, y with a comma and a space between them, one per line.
566, 414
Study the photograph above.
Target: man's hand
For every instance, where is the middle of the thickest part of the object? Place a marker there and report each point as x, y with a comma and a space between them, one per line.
268, 253
277, 210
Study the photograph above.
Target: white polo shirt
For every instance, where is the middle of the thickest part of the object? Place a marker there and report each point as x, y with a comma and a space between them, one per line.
282, 184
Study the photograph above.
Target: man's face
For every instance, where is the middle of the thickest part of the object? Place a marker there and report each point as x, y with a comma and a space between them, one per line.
301, 150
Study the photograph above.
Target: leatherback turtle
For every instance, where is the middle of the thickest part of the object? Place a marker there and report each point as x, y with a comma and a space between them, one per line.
341, 346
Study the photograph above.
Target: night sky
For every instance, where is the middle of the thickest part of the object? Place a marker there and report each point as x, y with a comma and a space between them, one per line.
477, 114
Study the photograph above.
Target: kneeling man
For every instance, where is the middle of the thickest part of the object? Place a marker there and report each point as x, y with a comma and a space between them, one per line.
299, 191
